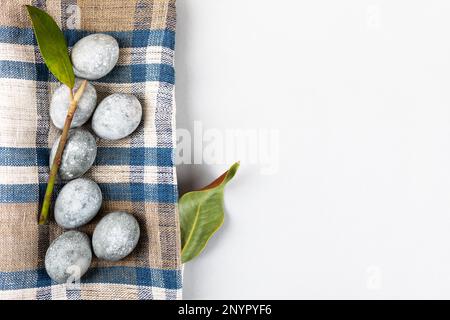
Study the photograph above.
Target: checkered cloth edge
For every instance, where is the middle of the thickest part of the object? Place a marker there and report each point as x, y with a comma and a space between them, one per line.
136, 174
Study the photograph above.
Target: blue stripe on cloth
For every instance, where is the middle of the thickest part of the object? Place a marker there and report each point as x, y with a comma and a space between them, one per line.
168, 279
26, 157
120, 74
161, 157
140, 192
19, 193
127, 39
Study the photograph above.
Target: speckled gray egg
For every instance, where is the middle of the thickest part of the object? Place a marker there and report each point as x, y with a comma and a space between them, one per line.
78, 156
69, 256
117, 116
94, 56
77, 203
61, 101
115, 236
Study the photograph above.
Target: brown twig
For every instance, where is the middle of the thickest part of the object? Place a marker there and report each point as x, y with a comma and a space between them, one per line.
57, 160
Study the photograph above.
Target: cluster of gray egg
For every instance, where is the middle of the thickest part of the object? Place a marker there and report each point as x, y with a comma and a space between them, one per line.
116, 117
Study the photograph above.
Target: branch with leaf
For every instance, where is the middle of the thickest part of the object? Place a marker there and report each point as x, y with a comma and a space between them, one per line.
55, 53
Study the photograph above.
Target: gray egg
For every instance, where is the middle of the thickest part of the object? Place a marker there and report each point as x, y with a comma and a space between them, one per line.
77, 203
115, 236
61, 101
94, 56
78, 156
69, 256
117, 116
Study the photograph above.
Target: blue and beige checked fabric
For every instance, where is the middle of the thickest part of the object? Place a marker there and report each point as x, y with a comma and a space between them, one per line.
136, 174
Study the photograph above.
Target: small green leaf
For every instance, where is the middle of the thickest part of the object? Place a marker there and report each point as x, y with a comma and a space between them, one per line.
201, 215
52, 45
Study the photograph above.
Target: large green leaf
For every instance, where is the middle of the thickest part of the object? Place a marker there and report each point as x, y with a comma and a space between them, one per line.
52, 45
201, 215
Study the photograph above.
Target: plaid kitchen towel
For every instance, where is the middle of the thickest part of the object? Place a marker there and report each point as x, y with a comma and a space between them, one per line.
136, 174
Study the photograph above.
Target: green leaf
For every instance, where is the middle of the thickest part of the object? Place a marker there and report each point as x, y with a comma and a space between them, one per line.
201, 215
52, 45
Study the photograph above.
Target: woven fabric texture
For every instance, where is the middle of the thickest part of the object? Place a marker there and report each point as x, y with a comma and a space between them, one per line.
136, 174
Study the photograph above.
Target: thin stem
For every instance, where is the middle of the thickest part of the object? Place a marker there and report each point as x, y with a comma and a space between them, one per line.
59, 151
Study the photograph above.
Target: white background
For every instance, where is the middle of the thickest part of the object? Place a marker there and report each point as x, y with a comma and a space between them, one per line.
359, 92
